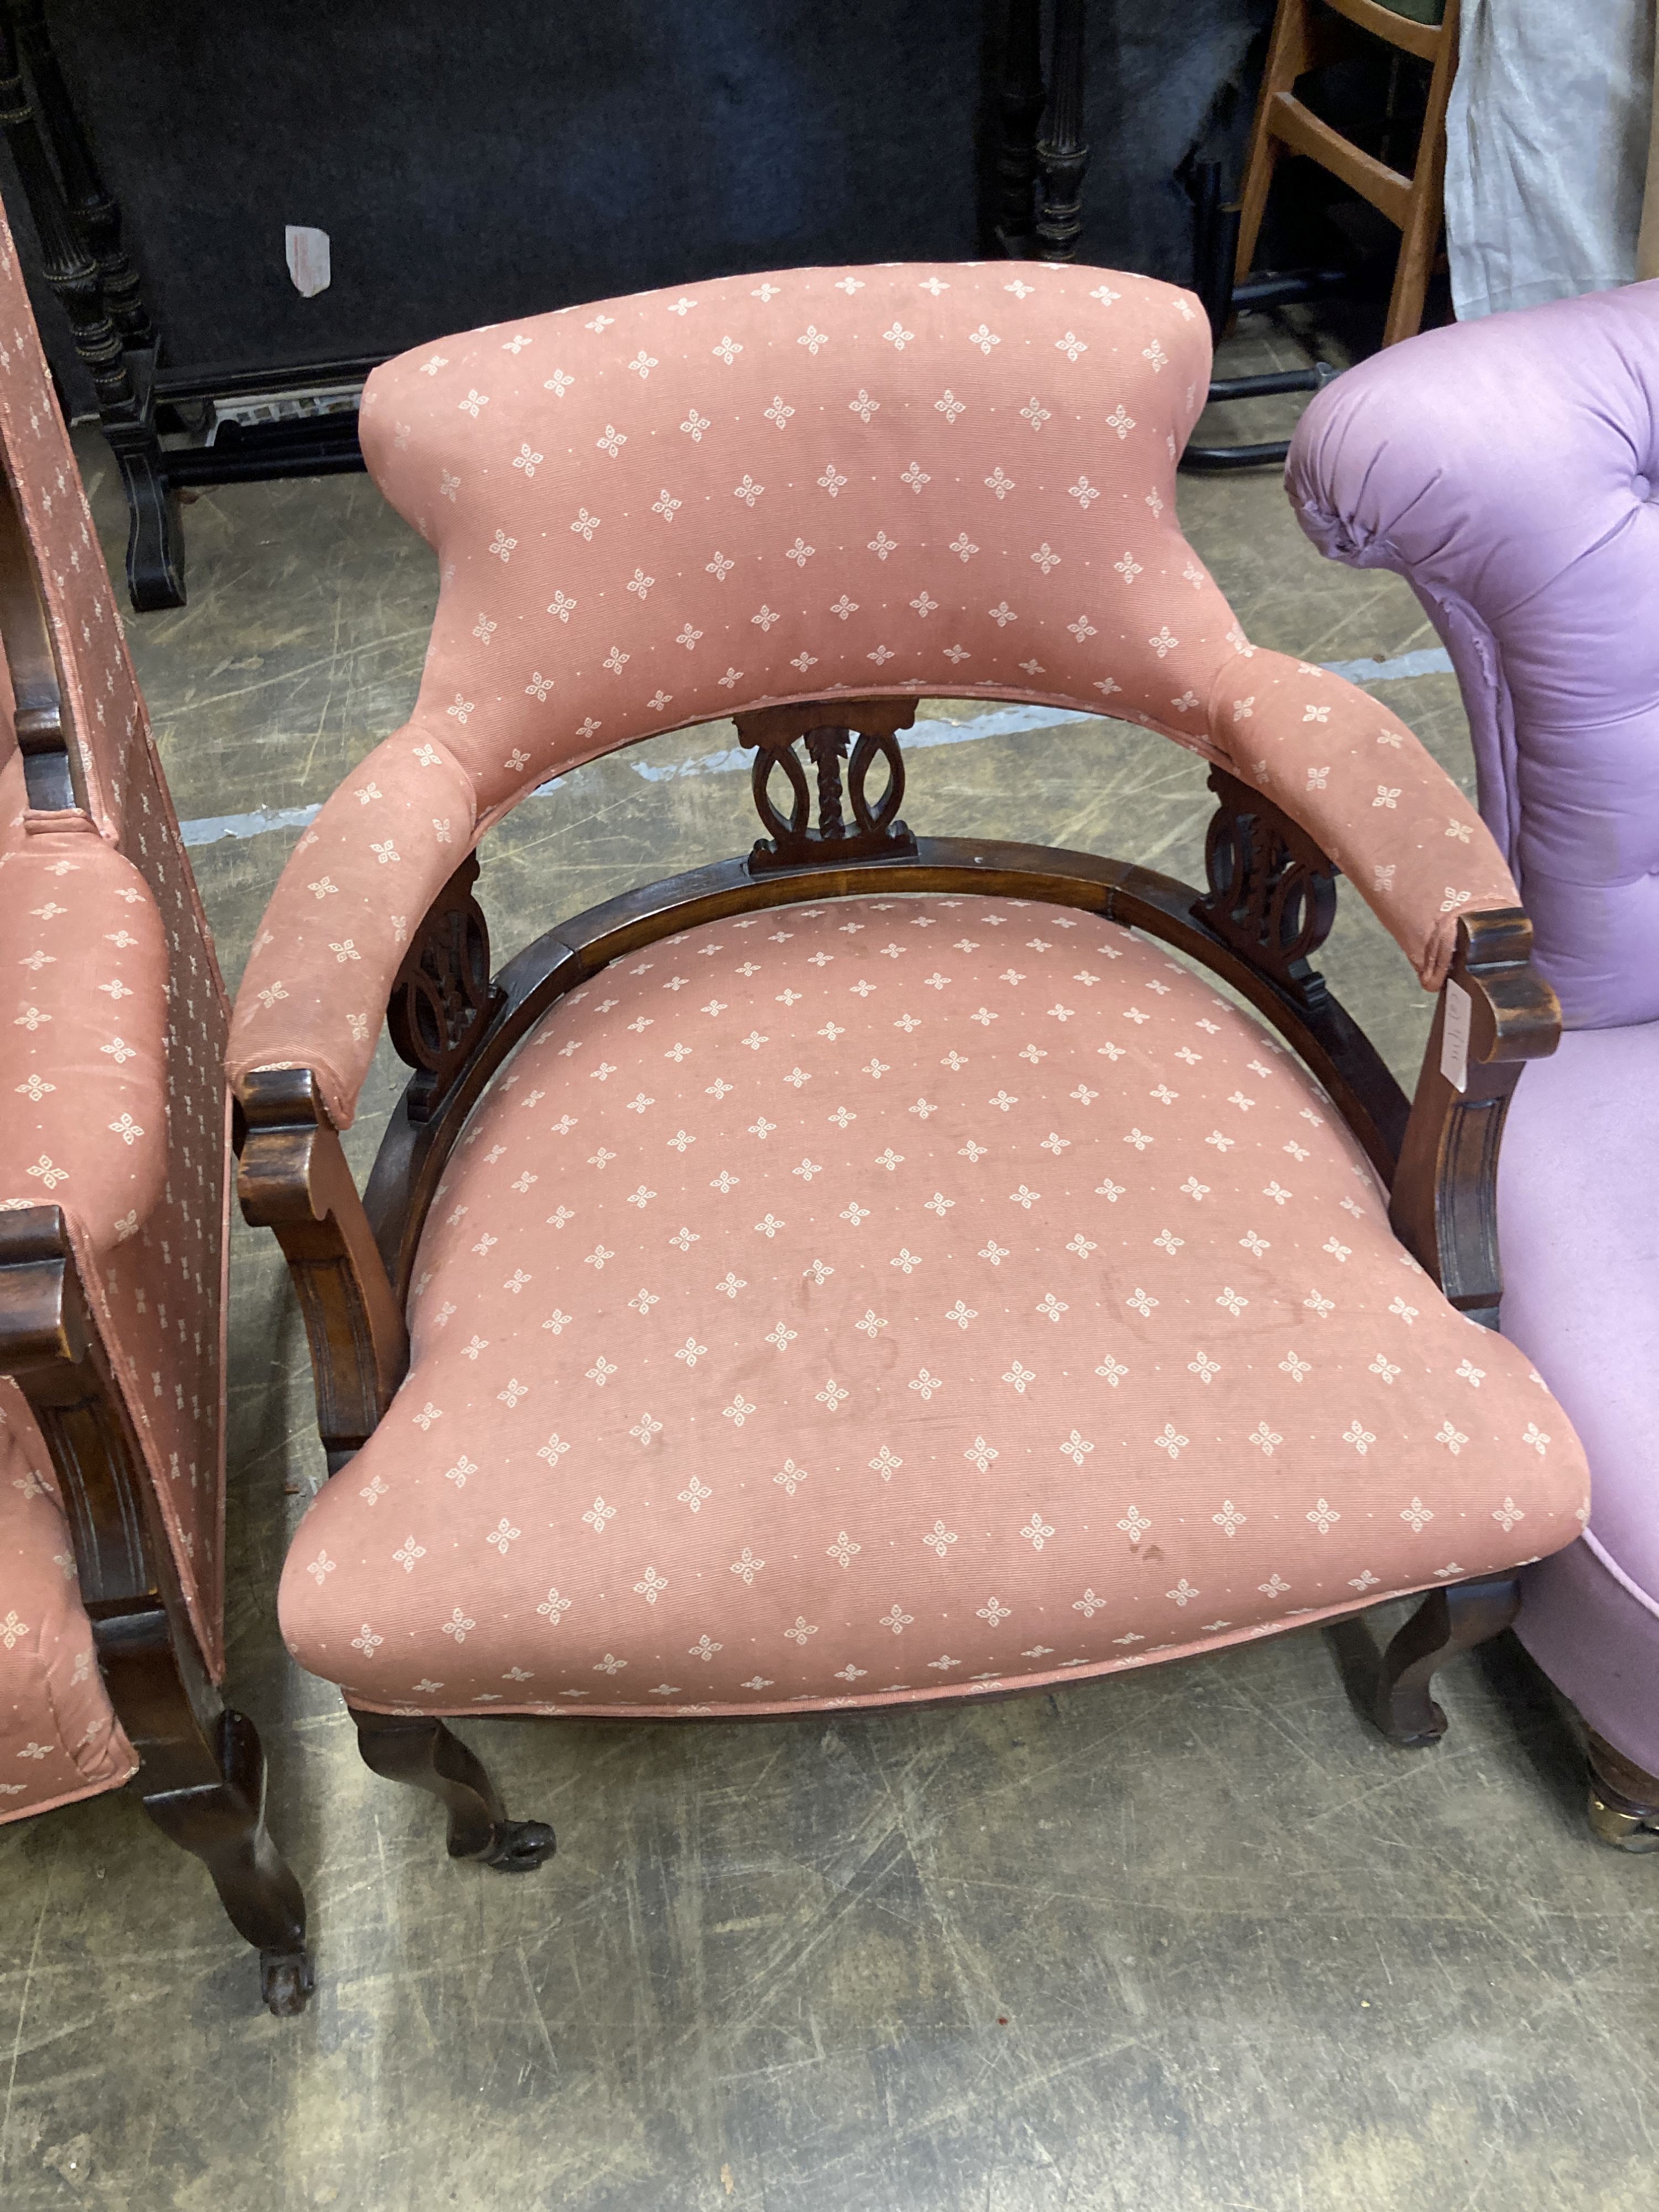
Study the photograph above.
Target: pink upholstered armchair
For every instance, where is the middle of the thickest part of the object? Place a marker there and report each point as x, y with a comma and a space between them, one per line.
1507, 468
881, 1269
113, 1184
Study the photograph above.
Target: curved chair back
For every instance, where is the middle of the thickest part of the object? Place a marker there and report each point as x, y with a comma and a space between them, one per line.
1521, 504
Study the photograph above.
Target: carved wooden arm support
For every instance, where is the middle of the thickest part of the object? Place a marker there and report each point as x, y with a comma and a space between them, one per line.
52, 1347
293, 1179
1495, 1014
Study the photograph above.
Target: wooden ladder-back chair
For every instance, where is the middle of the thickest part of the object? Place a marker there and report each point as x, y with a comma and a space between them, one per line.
113, 1187
1305, 33
872, 1271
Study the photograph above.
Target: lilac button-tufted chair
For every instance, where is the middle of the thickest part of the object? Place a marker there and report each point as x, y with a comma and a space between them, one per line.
1509, 469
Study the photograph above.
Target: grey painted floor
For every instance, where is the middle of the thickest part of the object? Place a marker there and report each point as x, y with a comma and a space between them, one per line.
1191, 1938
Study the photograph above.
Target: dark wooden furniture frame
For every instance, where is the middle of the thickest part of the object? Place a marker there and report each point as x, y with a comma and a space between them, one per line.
1269, 905
202, 1773
1041, 161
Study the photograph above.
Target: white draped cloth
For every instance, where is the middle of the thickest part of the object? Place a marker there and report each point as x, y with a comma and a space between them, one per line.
1548, 138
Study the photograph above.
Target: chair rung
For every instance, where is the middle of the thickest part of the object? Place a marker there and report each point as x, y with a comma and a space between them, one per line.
1301, 130
1422, 39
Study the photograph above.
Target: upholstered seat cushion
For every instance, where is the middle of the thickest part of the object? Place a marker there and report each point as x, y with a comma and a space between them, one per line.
866, 1299
59, 1737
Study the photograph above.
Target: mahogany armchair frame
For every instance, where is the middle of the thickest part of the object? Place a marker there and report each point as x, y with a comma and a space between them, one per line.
1269, 905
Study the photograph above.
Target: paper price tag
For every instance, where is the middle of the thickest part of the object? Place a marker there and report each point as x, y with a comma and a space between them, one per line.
1455, 1037
307, 259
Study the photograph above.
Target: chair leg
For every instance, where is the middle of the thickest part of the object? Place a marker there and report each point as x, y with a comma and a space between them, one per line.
1623, 1799
418, 1749
1448, 1622
220, 1819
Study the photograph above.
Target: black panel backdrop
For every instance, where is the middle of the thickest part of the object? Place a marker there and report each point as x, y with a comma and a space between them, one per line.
478, 163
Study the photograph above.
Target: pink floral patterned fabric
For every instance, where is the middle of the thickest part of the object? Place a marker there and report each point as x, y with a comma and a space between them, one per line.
893, 1296
59, 1737
954, 481
158, 1284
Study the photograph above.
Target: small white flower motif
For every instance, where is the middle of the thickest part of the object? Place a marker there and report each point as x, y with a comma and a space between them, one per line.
668, 507
1507, 1515
1416, 1516
1143, 1301
1324, 1517
473, 402
1295, 1368
898, 337
981, 1454
696, 1495
651, 1586
583, 527
502, 1534
1072, 345
1050, 1307
1045, 558
881, 545
1536, 1437
1383, 1368
1265, 1439
644, 1429
1170, 1441
1230, 1519
728, 350
864, 407
1183, 1593
1454, 1439
833, 1395
1036, 1532
1362, 1439
812, 337
1000, 484
367, 1641
984, 337
747, 1567
1163, 644
502, 546
642, 364
1234, 1302
597, 1514
527, 459
1387, 795
993, 1611
940, 1539
777, 414
1134, 1524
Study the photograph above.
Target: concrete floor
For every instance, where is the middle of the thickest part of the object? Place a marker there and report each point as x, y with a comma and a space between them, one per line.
1195, 1937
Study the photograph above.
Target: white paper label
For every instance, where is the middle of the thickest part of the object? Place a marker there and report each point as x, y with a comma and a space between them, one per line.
1455, 1038
307, 259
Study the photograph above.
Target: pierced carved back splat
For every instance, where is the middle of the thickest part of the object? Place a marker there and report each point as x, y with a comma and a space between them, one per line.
866, 727
442, 992
1272, 891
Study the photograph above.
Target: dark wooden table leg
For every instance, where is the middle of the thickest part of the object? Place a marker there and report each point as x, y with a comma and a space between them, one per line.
1062, 157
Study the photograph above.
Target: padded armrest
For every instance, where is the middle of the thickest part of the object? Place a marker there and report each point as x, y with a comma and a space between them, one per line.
83, 1007
357, 883
1357, 781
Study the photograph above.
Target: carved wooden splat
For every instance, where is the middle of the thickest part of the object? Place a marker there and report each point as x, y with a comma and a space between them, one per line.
1272, 891
868, 729
442, 992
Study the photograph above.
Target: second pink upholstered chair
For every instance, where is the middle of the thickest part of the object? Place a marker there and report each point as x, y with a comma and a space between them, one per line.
114, 1173
877, 1270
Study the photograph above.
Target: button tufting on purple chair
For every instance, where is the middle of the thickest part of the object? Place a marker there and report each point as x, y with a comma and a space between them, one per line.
1509, 469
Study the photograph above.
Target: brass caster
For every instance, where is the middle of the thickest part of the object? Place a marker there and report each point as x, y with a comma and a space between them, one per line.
1620, 1831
